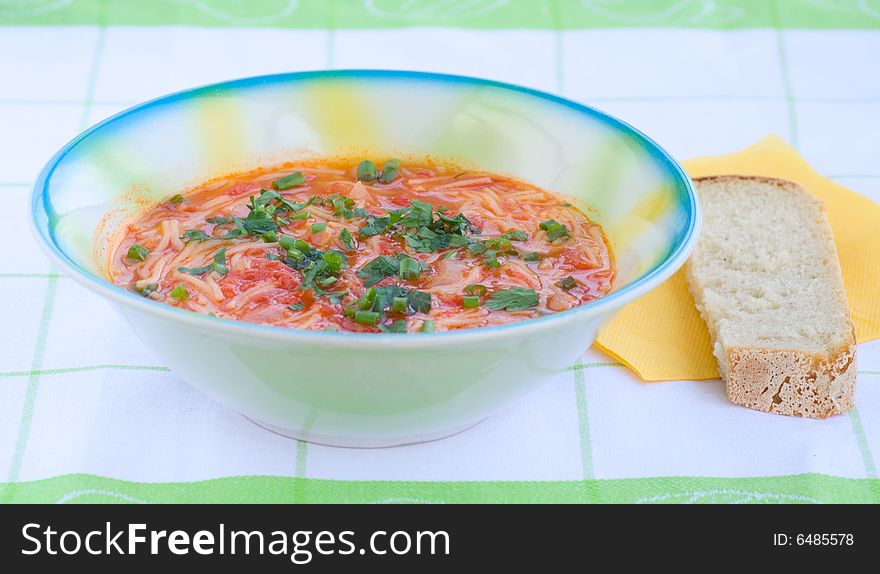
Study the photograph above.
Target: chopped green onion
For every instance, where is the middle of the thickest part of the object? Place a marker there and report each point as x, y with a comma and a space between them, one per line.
388, 176
531, 256
327, 281
295, 307
476, 289
366, 300
366, 171
390, 171
554, 229
301, 216
177, 199
567, 283
301, 245
399, 304
286, 242
288, 181
428, 326
470, 301
179, 292
366, 317
270, 237
409, 268
137, 252
318, 227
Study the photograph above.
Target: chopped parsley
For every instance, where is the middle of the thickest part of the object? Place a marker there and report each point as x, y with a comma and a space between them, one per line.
378, 269
262, 218
195, 235
137, 252
375, 226
567, 283
294, 179
426, 240
345, 206
347, 240
513, 299
218, 265
420, 214
398, 326
419, 301
555, 230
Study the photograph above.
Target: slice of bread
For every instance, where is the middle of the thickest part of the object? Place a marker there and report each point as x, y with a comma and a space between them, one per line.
766, 280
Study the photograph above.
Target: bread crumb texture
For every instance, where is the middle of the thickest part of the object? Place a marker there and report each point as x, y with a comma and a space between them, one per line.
766, 279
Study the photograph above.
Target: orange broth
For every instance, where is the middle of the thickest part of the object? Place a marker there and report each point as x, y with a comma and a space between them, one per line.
363, 247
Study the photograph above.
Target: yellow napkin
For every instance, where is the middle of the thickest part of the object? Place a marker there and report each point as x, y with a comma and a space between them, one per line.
661, 336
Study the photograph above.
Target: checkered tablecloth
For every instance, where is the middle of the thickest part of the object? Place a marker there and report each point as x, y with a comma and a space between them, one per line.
88, 414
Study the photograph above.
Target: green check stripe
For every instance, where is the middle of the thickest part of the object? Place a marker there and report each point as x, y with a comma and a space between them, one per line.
85, 369
48, 304
790, 103
800, 488
24, 425
474, 14
580, 393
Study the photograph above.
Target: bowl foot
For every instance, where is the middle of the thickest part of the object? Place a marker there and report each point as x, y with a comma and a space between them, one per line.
343, 441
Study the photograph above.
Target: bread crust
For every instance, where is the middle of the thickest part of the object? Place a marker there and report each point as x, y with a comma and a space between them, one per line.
788, 382
785, 381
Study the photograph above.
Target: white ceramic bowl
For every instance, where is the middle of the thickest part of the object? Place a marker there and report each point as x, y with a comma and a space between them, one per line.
365, 389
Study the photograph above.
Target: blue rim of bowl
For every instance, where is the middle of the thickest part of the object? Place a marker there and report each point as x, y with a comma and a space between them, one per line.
682, 247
